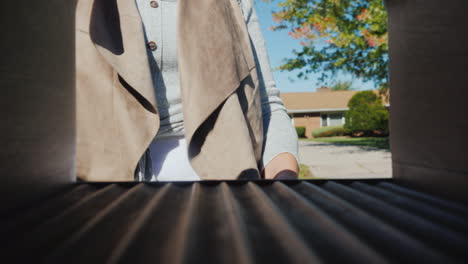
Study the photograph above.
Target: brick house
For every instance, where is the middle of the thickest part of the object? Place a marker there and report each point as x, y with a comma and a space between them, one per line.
313, 110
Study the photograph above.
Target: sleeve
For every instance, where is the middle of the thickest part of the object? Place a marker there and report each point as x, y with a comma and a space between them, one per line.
279, 133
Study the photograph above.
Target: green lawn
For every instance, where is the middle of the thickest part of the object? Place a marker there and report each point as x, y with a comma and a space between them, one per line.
305, 173
381, 143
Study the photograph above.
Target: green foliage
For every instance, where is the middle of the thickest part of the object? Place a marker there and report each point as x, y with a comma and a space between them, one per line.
366, 115
336, 35
304, 172
376, 142
331, 131
300, 131
342, 86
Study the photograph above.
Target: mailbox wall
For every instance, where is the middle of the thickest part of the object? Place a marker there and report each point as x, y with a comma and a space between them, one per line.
37, 103
429, 94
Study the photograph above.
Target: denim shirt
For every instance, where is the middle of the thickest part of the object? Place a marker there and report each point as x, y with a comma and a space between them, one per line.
159, 22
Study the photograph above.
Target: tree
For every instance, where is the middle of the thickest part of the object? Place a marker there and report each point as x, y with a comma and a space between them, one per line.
336, 35
366, 114
343, 86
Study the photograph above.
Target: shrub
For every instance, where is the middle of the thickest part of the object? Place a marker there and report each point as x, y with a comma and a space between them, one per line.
366, 115
331, 131
300, 131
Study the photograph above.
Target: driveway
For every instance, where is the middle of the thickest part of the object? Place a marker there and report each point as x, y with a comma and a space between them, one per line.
328, 160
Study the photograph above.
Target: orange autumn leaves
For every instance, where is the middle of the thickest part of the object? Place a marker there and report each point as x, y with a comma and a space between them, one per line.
336, 36
322, 26
372, 39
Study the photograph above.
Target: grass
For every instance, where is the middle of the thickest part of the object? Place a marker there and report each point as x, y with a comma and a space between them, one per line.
381, 143
304, 172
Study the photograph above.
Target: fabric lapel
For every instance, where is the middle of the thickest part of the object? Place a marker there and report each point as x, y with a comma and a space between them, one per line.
211, 45
117, 32
222, 111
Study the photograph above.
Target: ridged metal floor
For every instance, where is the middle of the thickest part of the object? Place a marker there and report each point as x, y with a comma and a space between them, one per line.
238, 222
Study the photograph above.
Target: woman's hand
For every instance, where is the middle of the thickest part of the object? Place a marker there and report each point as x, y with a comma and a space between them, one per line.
283, 166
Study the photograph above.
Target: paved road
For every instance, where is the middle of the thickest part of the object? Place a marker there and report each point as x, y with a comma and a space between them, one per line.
328, 160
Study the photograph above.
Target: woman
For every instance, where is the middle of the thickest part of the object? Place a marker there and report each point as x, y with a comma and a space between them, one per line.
199, 98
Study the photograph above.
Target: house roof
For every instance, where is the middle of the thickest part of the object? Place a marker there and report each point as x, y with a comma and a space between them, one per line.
317, 101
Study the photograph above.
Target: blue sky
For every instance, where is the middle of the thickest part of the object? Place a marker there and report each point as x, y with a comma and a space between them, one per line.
280, 46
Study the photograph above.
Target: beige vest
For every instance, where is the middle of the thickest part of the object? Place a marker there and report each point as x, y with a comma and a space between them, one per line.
117, 114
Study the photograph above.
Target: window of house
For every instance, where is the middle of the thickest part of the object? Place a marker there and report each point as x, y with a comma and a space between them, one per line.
335, 119
324, 120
